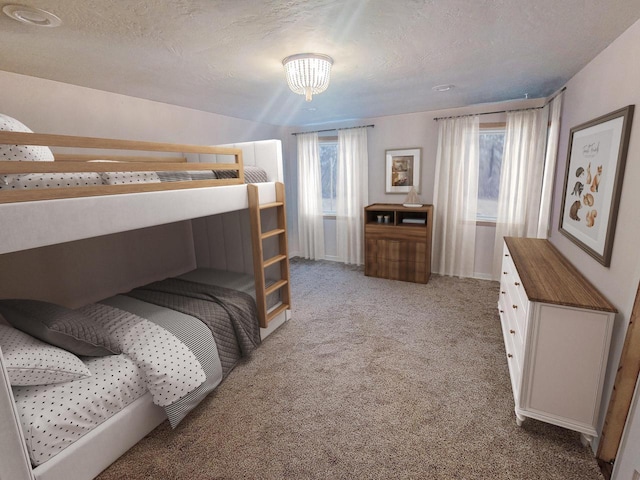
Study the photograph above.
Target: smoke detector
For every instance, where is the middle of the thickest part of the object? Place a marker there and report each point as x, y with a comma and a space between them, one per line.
31, 16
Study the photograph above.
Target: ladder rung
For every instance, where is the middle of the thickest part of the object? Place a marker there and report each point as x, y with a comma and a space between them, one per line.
276, 286
272, 233
276, 311
272, 260
271, 205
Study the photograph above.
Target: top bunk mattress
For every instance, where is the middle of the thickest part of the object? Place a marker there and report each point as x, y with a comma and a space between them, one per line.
40, 181
38, 209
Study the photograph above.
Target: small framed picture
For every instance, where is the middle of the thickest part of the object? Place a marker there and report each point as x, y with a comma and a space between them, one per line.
593, 182
402, 170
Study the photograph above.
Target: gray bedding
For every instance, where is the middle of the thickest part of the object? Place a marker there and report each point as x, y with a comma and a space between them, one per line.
230, 315
190, 331
242, 282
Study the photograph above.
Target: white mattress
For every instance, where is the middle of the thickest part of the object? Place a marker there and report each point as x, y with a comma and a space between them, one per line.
55, 416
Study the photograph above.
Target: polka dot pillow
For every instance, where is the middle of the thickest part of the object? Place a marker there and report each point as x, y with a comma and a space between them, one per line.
32, 362
28, 153
124, 178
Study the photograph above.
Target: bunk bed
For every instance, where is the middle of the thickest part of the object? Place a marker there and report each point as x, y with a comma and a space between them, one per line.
190, 196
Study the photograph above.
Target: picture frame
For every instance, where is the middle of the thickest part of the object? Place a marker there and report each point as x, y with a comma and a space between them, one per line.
596, 160
402, 170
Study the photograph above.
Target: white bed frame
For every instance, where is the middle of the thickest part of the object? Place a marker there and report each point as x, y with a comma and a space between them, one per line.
43, 223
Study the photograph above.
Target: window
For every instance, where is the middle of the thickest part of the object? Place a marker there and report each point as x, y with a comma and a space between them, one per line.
328, 172
491, 147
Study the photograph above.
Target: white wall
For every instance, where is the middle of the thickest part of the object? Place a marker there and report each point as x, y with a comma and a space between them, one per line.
47, 106
410, 130
607, 83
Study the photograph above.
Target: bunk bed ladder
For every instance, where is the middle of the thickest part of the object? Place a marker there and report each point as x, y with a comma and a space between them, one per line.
282, 258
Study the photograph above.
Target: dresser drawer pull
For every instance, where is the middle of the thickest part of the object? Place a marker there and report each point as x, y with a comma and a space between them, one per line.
501, 311
512, 332
503, 292
506, 254
515, 307
505, 272
517, 284
509, 355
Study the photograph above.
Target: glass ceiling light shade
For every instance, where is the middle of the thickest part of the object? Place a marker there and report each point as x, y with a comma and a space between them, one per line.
308, 73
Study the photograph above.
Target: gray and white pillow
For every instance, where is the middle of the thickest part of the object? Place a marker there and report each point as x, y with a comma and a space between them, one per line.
31, 362
59, 326
26, 153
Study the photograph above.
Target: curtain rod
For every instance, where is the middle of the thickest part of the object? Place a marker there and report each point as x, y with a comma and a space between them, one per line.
506, 111
333, 129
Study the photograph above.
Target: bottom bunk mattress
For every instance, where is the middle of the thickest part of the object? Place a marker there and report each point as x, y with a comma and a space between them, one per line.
142, 324
55, 416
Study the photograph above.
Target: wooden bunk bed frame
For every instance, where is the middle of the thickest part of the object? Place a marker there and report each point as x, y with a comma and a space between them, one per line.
71, 163
181, 154
92, 454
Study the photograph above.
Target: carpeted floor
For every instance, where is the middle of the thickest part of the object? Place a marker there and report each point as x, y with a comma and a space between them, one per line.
371, 379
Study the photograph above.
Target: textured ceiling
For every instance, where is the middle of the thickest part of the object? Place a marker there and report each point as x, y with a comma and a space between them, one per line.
224, 56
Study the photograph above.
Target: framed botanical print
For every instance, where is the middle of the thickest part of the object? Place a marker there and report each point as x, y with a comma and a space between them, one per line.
593, 182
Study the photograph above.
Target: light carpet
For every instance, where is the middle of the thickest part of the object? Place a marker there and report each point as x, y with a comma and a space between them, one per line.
371, 379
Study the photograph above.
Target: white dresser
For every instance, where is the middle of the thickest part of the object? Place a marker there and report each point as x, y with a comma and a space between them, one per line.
557, 329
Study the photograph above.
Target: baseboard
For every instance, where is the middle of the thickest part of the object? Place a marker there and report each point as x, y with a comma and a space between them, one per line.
482, 276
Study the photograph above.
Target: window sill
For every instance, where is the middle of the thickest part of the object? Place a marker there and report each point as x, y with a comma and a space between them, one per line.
485, 223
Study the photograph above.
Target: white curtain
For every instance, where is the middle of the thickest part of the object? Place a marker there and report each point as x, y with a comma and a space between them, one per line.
550, 167
456, 196
520, 178
351, 194
310, 219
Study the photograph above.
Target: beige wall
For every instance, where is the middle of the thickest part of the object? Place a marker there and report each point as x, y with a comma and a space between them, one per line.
47, 106
408, 131
607, 83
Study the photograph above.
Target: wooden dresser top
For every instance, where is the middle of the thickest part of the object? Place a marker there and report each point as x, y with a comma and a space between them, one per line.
548, 277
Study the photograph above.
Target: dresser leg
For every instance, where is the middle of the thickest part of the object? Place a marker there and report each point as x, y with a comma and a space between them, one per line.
586, 439
519, 419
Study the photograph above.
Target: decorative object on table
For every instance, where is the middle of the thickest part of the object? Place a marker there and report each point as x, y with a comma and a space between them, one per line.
402, 170
593, 182
413, 199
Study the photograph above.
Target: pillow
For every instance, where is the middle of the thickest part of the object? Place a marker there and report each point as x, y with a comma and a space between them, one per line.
31, 362
28, 153
33, 181
59, 326
123, 178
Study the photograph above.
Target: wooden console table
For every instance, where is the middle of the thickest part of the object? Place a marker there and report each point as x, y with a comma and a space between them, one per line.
398, 242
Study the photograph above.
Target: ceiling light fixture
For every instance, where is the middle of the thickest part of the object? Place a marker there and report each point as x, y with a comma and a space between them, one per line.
31, 16
308, 73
